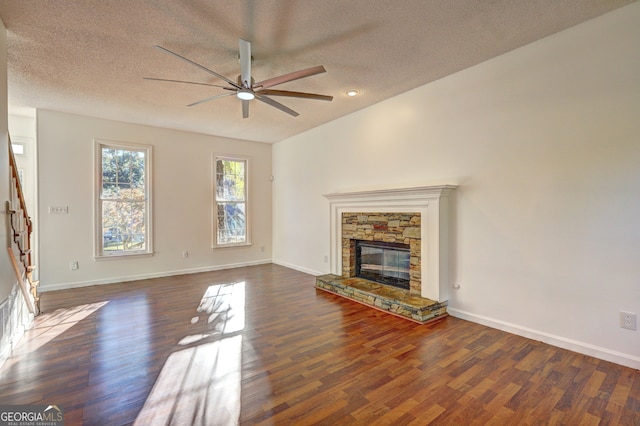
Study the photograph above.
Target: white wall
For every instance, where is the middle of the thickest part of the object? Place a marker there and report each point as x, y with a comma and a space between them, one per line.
543, 142
7, 276
182, 201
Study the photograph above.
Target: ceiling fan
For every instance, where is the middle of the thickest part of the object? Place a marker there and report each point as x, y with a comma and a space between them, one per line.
246, 89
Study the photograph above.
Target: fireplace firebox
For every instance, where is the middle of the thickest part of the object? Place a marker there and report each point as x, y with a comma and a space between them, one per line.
385, 263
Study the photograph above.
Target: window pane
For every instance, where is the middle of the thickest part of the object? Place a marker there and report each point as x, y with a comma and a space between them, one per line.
231, 223
110, 233
109, 214
124, 166
137, 217
219, 186
137, 171
18, 148
109, 190
124, 191
230, 180
108, 165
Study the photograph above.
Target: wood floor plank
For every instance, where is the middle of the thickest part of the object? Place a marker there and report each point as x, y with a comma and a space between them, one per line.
259, 345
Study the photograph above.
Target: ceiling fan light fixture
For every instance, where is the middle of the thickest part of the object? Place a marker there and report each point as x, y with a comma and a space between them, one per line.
245, 94
353, 92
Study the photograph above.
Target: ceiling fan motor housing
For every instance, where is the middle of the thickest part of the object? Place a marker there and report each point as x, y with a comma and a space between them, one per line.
241, 83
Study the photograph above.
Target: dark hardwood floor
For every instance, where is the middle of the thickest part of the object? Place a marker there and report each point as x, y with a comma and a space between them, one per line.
260, 345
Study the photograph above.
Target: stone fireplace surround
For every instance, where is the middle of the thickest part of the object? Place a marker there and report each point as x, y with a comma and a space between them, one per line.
430, 230
382, 227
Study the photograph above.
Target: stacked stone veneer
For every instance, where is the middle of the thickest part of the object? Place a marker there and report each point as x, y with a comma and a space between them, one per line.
385, 298
386, 227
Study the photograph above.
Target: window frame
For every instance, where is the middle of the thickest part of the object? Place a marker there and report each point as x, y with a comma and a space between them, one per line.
214, 201
99, 252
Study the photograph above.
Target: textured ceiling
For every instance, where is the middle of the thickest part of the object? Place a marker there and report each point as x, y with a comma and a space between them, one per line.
89, 57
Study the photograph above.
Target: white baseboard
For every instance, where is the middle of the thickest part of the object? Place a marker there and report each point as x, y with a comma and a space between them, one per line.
627, 360
63, 286
297, 268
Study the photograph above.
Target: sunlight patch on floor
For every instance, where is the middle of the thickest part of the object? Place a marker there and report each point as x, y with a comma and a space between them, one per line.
201, 384
49, 326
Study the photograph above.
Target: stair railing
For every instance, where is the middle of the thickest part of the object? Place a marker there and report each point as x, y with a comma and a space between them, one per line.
21, 229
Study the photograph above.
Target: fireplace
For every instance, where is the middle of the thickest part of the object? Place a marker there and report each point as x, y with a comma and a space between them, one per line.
380, 232
416, 216
385, 263
400, 237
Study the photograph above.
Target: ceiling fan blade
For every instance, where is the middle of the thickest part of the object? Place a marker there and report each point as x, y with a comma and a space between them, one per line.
265, 84
197, 65
290, 94
187, 82
210, 99
245, 63
276, 104
245, 109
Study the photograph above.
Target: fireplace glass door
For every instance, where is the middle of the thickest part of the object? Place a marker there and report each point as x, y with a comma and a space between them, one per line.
386, 263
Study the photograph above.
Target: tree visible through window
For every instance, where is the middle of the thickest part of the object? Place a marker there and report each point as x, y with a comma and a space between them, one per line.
230, 201
123, 203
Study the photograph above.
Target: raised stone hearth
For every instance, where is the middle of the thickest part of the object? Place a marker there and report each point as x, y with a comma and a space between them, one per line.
385, 298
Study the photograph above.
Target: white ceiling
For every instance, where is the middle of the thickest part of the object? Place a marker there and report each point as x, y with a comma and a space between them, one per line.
90, 56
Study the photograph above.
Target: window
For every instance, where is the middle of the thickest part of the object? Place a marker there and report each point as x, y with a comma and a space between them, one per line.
230, 204
123, 210
18, 148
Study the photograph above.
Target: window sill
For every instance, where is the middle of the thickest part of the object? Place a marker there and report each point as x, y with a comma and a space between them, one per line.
221, 246
121, 256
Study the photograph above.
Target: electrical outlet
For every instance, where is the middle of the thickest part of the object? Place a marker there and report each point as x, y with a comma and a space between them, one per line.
185, 253
74, 265
628, 320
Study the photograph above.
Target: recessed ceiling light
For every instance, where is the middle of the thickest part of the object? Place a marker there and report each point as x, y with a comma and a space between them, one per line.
352, 92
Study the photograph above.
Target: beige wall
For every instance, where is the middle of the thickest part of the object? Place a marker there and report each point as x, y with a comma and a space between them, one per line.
543, 143
182, 201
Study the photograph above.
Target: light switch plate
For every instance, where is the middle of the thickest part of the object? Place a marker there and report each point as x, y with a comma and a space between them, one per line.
58, 209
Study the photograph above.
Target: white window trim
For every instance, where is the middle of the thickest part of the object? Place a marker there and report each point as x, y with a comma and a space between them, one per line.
97, 222
214, 204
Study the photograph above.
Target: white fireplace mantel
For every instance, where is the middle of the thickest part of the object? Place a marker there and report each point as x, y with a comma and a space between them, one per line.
432, 202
